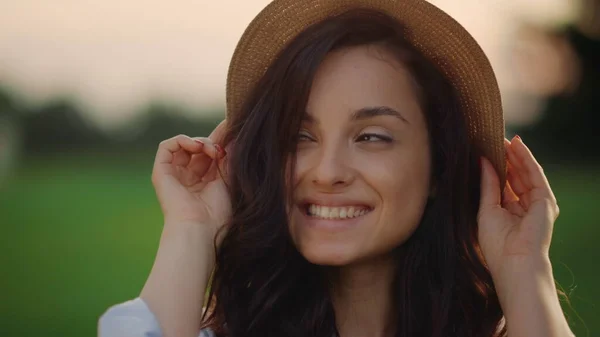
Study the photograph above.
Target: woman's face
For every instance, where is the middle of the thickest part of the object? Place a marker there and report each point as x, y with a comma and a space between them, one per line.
362, 170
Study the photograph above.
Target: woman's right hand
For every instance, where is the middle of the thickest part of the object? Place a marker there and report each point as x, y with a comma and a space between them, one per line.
195, 202
188, 181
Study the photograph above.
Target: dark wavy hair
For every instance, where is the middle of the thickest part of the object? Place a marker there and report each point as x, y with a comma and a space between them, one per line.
262, 286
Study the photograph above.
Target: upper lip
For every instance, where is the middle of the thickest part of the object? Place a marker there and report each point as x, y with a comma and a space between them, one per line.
333, 200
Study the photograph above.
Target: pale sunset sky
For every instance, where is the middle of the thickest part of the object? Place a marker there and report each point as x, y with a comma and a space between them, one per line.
113, 56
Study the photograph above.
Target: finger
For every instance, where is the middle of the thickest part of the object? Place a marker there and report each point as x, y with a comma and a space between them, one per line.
509, 194
218, 133
517, 186
200, 164
518, 166
514, 207
224, 169
167, 148
181, 158
210, 148
490, 185
212, 172
512, 175
522, 194
224, 164
511, 201
539, 183
218, 168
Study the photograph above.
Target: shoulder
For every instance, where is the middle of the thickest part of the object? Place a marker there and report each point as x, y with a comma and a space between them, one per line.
207, 333
133, 318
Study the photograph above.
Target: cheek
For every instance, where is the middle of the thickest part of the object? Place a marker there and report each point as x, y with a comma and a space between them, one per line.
401, 177
403, 184
302, 163
298, 166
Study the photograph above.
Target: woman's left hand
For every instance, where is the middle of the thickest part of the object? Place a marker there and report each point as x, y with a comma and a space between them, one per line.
517, 230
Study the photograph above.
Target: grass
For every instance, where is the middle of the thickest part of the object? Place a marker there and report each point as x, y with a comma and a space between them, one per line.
80, 234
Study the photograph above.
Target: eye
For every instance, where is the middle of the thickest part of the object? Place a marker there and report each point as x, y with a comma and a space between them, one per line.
303, 135
373, 137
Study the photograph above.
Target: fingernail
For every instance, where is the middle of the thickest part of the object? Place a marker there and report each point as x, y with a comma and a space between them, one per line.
199, 141
518, 137
220, 150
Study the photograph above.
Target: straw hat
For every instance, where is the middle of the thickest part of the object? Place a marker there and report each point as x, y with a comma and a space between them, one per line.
433, 32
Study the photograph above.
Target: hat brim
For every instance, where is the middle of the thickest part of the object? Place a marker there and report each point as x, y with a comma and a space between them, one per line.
434, 33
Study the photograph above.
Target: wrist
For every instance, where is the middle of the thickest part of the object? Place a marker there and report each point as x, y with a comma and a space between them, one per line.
176, 286
198, 230
191, 237
519, 275
529, 300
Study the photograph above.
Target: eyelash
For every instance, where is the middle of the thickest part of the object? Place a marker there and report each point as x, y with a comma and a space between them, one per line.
382, 138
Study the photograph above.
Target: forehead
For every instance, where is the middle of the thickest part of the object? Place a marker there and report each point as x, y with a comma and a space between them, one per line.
360, 76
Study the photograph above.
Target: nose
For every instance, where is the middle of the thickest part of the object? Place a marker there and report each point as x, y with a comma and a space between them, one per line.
332, 170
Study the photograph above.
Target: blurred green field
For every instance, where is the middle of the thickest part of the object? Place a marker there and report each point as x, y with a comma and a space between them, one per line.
79, 234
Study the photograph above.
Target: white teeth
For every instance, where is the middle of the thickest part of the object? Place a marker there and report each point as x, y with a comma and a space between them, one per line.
334, 212
327, 212
324, 213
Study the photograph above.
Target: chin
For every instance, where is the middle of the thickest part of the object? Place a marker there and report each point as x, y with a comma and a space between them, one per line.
328, 254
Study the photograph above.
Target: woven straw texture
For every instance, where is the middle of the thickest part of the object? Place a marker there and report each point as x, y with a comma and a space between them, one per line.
439, 37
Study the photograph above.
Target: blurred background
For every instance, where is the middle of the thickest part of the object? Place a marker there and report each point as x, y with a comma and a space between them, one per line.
89, 88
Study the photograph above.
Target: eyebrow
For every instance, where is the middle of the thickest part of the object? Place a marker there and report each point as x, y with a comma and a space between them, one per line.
370, 112
366, 113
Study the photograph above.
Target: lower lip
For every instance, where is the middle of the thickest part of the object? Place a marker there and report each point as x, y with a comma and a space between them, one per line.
331, 224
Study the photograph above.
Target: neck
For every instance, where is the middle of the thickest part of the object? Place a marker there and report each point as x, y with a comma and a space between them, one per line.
362, 298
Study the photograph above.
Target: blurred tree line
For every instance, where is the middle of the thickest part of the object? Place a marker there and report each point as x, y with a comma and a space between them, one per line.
60, 125
569, 129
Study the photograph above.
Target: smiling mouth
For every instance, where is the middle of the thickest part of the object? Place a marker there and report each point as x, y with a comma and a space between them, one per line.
335, 213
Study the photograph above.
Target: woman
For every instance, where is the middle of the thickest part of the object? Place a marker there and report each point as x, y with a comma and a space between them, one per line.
360, 194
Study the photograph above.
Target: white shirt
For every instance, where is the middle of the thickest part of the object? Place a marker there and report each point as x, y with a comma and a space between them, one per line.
133, 319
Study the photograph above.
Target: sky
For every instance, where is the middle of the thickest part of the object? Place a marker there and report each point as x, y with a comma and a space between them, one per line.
115, 56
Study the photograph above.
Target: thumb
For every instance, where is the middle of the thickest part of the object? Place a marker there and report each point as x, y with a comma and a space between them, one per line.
490, 185
218, 133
